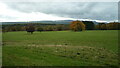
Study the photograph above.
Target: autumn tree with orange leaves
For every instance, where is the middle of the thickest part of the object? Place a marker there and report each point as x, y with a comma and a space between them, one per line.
77, 26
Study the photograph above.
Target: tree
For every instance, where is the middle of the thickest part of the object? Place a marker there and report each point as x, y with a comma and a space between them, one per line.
108, 26
89, 25
30, 28
77, 26
48, 28
58, 27
40, 29
23, 28
103, 27
113, 26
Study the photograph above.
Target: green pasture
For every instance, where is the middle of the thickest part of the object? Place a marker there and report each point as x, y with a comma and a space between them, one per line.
60, 48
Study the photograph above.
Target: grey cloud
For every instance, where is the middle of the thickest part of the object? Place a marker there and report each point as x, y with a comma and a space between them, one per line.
92, 10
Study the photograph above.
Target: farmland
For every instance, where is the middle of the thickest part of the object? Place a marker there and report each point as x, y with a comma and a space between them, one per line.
60, 48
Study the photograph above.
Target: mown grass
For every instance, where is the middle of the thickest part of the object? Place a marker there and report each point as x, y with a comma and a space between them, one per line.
60, 48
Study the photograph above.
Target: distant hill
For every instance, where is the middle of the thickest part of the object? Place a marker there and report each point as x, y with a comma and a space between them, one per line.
54, 22
49, 22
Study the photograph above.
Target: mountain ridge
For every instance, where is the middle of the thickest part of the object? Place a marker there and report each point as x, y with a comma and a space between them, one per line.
50, 22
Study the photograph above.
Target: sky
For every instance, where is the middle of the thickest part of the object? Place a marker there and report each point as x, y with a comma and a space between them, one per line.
36, 11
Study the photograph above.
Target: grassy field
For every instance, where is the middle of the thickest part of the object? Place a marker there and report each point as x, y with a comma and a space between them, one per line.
0, 48
61, 48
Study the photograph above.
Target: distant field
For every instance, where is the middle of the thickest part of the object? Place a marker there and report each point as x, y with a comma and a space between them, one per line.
60, 48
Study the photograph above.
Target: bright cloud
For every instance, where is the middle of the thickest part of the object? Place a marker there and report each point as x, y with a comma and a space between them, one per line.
29, 11
7, 14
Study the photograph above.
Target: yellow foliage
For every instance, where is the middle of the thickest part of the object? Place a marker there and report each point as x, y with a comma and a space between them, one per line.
77, 26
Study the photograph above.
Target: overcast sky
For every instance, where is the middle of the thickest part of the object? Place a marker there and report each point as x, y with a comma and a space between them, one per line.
28, 11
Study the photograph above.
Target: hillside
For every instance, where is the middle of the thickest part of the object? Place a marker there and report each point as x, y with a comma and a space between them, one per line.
49, 22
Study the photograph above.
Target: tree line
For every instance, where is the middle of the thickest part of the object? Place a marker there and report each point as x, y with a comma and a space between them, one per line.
35, 27
89, 25
108, 26
74, 26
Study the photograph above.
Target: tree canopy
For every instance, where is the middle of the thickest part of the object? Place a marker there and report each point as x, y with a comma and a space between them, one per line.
77, 26
30, 28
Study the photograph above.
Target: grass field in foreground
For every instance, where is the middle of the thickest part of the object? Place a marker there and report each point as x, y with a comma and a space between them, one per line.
60, 48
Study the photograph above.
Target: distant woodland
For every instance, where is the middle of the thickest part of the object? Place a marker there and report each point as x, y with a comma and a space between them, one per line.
75, 26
